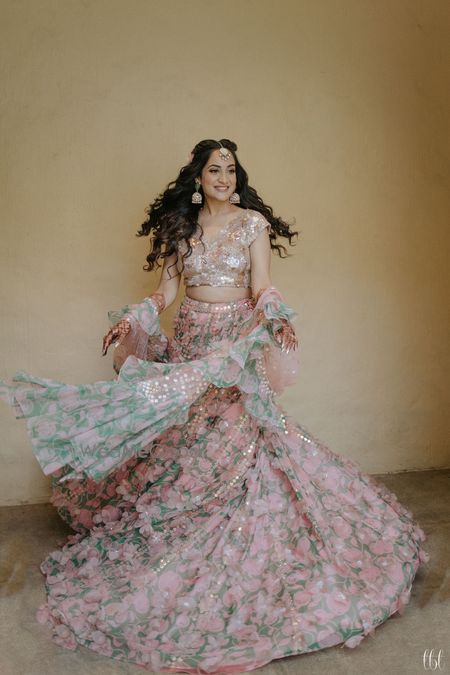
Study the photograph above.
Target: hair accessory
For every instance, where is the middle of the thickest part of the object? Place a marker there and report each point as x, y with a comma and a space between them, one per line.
196, 196
235, 199
224, 153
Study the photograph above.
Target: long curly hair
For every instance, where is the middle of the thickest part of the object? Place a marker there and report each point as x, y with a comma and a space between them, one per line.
172, 216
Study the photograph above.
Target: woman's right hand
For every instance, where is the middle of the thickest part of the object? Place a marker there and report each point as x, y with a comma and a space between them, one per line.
116, 334
285, 336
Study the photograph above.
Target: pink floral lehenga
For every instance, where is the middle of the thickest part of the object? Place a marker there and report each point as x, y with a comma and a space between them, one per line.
214, 534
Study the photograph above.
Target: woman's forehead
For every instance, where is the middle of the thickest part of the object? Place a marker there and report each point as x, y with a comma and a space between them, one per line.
215, 158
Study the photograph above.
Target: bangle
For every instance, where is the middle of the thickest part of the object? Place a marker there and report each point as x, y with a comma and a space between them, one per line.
159, 301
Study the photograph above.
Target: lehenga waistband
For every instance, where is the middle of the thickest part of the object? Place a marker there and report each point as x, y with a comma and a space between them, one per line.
217, 307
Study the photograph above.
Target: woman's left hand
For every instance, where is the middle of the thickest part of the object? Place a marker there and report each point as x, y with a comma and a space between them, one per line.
285, 336
116, 334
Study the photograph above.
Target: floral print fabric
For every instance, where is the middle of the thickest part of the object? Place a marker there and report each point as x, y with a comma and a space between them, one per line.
215, 534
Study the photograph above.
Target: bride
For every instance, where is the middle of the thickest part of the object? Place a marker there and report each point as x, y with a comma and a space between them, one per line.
213, 533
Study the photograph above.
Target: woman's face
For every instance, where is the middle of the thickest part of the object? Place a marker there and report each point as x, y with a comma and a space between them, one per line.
218, 177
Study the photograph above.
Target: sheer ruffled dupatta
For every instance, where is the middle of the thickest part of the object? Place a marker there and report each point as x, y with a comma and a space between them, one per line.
145, 340
93, 428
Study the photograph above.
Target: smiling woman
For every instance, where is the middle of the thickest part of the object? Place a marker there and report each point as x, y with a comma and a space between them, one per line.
218, 177
214, 534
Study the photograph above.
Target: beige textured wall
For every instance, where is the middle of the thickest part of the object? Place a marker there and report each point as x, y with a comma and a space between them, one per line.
341, 112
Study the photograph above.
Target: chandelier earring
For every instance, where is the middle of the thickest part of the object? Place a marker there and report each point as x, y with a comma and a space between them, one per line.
196, 196
235, 199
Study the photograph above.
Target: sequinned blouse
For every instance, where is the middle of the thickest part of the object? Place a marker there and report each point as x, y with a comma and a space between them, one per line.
224, 261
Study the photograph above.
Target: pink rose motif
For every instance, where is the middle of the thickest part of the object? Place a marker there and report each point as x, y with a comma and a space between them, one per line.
370, 573
204, 464
186, 481
111, 490
110, 514
211, 623
59, 589
170, 581
93, 554
93, 596
303, 547
124, 487
182, 621
380, 547
98, 637
210, 662
331, 481
327, 639
45, 428
63, 636
140, 602
276, 503
311, 464
302, 598
251, 585
366, 615
322, 615
247, 633
112, 609
159, 626
329, 570
395, 572
253, 567
77, 624
228, 598
85, 518
341, 527
375, 523
352, 556
338, 603
55, 579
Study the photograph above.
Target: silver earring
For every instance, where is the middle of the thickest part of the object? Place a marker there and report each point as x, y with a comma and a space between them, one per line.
235, 199
196, 196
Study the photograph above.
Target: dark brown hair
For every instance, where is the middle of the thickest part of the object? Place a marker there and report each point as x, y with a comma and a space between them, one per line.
172, 216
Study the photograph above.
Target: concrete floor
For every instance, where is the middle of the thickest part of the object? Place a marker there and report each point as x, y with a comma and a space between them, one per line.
28, 533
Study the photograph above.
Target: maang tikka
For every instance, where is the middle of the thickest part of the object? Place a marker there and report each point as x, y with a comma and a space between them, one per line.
224, 153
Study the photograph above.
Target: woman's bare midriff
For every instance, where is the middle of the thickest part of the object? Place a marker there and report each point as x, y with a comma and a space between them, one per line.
217, 293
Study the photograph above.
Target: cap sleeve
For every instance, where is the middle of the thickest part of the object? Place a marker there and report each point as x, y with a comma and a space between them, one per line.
256, 223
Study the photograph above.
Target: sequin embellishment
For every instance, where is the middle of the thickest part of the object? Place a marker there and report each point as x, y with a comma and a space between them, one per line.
224, 261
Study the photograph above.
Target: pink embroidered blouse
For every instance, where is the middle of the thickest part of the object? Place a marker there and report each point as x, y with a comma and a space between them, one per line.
224, 261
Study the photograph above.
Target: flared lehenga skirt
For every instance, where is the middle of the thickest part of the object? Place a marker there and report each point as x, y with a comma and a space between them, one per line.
226, 543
